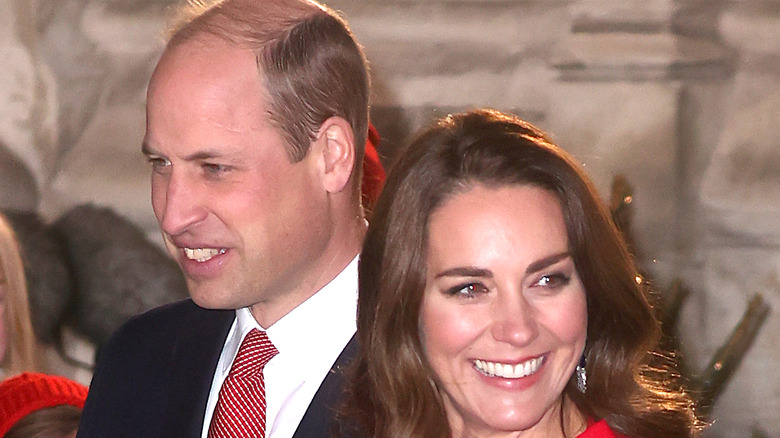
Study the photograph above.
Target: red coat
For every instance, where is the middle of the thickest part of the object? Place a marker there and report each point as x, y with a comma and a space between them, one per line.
599, 429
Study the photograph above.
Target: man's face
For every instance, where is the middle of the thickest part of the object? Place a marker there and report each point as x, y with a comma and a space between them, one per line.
242, 221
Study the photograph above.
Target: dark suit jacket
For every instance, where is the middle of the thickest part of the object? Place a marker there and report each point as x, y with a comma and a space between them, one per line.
152, 378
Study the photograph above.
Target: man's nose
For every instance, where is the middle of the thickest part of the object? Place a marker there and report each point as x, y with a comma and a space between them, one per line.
181, 205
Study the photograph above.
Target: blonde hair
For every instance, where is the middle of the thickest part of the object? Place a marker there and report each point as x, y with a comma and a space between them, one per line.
14, 304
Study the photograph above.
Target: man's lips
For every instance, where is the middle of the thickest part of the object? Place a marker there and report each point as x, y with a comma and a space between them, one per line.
202, 254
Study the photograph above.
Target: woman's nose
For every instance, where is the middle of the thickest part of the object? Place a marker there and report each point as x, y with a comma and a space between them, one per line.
514, 320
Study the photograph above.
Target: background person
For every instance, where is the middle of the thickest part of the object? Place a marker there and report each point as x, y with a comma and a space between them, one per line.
257, 113
498, 299
37, 405
17, 339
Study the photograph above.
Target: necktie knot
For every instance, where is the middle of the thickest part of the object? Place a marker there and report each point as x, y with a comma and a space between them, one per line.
255, 352
240, 410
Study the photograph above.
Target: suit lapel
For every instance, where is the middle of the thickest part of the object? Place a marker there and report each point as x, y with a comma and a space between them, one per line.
318, 419
194, 359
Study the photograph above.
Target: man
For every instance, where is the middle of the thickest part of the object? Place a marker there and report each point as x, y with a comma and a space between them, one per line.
257, 114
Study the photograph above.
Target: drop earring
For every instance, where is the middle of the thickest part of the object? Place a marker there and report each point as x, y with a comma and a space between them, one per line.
582, 377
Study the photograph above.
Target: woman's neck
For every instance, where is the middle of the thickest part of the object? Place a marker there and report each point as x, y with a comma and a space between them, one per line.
563, 420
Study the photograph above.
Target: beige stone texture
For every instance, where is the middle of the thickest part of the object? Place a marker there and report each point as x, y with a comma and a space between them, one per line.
681, 96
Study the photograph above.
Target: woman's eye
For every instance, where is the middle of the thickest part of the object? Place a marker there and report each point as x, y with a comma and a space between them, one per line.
553, 280
468, 290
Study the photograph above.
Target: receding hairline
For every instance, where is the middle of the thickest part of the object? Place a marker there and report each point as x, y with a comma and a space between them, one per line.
235, 20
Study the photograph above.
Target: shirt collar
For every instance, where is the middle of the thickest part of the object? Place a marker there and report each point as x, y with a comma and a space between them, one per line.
327, 316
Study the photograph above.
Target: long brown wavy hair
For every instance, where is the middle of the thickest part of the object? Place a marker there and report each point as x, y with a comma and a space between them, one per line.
391, 393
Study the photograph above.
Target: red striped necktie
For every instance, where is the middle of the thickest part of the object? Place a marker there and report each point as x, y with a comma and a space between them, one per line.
240, 410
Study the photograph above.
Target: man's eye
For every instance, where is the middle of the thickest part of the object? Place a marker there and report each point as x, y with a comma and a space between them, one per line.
158, 162
214, 169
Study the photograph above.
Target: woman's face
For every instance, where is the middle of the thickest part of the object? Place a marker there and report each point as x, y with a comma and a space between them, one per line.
504, 316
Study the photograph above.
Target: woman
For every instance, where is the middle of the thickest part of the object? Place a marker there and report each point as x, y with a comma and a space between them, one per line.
17, 341
497, 298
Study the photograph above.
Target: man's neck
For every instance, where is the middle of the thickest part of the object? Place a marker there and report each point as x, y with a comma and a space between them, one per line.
323, 271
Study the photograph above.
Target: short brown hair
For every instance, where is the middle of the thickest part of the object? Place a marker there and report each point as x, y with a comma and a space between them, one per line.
56, 421
312, 66
392, 393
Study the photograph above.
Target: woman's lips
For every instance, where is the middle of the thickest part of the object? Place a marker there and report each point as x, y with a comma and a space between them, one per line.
507, 370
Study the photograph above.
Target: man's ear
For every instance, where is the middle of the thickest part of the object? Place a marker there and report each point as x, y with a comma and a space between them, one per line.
335, 143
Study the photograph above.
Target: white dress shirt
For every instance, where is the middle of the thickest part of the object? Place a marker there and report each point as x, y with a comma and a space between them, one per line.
309, 340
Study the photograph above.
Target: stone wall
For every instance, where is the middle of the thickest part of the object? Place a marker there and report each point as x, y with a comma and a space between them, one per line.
682, 96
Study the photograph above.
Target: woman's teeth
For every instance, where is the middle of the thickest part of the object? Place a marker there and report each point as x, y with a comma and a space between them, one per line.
202, 254
507, 371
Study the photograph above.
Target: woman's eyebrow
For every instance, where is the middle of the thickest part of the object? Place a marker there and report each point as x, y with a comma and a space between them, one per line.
465, 271
545, 262
468, 271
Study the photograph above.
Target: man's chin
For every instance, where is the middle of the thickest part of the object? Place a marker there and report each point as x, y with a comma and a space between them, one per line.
209, 299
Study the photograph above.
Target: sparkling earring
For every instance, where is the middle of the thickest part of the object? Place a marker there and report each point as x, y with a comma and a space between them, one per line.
582, 378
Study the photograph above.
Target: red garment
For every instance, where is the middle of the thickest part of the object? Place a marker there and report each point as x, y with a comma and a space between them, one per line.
373, 172
599, 429
28, 392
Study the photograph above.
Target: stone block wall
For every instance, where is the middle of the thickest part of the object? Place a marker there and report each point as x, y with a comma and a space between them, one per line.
681, 96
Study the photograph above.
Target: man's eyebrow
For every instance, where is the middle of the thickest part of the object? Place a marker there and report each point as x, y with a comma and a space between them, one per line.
545, 262
204, 155
195, 156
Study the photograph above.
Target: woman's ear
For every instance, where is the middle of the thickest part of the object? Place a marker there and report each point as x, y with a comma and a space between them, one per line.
335, 144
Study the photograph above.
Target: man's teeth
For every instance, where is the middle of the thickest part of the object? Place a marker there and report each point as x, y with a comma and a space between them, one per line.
507, 371
202, 254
